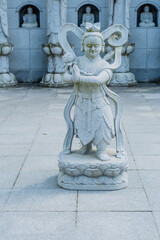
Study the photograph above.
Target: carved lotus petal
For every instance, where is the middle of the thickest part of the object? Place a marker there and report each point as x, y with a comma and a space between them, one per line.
93, 173
112, 172
130, 48
73, 172
46, 49
56, 50
6, 49
63, 165
82, 167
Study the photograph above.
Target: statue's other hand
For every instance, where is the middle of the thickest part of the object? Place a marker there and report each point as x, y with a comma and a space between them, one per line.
76, 74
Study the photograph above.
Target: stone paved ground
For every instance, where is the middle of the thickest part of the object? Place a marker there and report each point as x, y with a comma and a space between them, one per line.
32, 207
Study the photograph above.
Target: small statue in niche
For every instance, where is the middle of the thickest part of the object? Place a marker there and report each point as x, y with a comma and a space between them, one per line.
87, 17
146, 18
30, 19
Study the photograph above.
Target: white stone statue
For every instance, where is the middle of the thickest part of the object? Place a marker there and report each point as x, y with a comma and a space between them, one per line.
30, 19
3, 21
56, 17
146, 18
87, 17
119, 12
93, 122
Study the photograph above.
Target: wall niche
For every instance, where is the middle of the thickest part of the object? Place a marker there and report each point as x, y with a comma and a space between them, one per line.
29, 14
153, 13
93, 11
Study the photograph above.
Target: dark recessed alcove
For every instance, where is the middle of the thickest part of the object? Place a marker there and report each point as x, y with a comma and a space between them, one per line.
23, 11
152, 9
82, 10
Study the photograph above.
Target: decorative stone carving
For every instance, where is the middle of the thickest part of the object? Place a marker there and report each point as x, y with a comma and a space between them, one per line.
119, 14
122, 76
56, 17
7, 79
93, 122
146, 18
87, 17
3, 21
30, 19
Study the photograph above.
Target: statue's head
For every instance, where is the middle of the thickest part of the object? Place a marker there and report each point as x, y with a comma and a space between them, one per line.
88, 9
92, 41
146, 8
30, 10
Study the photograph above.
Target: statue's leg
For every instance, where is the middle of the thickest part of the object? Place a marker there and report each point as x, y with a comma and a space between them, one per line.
102, 151
85, 149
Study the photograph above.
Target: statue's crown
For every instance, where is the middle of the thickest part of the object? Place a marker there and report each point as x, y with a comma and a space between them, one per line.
93, 27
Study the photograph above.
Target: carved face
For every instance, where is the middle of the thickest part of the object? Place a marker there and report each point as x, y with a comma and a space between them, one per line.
92, 46
146, 8
88, 9
30, 10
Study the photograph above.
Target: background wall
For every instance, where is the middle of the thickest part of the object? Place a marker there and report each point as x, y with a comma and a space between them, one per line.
145, 60
29, 63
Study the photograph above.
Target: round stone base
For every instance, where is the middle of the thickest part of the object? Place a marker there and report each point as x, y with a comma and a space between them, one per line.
7, 80
54, 80
86, 172
123, 80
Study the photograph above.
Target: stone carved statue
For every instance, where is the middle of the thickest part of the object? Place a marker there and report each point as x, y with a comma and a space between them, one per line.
87, 17
93, 123
30, 19
119, 12
146, 18
56, 17
3, 21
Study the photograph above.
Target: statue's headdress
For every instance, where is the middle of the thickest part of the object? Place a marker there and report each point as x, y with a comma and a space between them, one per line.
92, 30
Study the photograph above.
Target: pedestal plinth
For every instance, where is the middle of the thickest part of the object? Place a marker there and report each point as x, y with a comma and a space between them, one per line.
55, 75
86, 172
7, 79
125, 79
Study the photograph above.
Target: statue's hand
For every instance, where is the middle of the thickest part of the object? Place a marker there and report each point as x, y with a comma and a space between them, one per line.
76, 74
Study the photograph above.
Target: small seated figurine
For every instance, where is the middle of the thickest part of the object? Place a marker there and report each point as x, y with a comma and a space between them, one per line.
146, 18
87, 17
30, 19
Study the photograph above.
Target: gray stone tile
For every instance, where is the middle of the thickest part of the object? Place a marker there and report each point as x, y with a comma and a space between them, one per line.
21, 139
46, 149
37, 226
144, 138
150, 179
123, 226
4, 193
14, 150
141, 128
134, 180
157, 218
41, 200
123, 200
17, 129
33, 179
9, 169
148, 162
41, 163
145, 149
154, 196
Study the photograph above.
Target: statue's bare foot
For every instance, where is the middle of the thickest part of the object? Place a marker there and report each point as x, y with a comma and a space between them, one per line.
103, 156
85, 149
